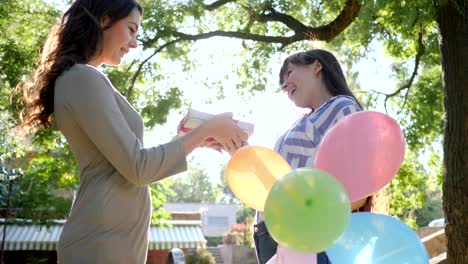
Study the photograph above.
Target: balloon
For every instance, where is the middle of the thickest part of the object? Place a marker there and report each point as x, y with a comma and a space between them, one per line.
252, 171
363, 151
284, 255
377, 239
307, 210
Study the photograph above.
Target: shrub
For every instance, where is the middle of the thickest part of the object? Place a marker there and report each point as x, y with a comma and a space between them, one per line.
240, 234
213, 241
200, 256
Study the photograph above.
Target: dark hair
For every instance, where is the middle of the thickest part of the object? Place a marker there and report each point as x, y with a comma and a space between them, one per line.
376, 203
77, 39
332, 73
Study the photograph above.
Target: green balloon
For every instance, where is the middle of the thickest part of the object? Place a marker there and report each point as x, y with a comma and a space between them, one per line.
307, 210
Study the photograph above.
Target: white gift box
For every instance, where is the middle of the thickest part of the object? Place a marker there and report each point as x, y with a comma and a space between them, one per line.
194, 118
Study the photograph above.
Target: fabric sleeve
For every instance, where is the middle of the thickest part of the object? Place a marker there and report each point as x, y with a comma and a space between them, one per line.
92, 103
278, 144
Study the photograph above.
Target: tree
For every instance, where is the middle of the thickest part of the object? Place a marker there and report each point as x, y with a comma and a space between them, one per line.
452, 19
244, 213
196, 187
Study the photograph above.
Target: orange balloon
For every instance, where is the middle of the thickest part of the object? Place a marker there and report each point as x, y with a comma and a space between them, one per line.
252, 171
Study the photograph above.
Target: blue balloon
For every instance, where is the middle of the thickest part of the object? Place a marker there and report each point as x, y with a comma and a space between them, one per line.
377, 239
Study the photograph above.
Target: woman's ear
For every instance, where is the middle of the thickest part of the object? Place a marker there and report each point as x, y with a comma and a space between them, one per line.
105, 22
317, 68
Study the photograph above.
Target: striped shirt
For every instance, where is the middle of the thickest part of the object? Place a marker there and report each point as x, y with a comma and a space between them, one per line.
300, 143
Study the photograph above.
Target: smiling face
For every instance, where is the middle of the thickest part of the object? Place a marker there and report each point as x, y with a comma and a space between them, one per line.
118, 39
304, 85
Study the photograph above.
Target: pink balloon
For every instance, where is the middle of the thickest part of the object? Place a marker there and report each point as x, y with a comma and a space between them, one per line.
363, 151
284, 256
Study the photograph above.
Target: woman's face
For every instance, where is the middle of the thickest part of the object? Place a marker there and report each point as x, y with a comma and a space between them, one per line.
119, 39
303, 84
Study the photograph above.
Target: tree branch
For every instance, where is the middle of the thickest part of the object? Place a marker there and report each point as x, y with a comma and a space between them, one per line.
217, 4
326, 32
407, 85
240, 35
140, 67
301, 31
341, 22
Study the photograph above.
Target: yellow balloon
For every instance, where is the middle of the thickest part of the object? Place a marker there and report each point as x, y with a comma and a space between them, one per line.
252, 171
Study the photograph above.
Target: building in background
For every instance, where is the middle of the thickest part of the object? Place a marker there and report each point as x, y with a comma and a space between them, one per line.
217, 219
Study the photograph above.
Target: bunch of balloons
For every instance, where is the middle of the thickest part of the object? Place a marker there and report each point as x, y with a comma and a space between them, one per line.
308, 209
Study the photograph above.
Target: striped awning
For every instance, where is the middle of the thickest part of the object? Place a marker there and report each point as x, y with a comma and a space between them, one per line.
31, 237
182, 234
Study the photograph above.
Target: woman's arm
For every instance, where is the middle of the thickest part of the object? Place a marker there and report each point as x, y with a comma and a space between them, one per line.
222, 130
84, 96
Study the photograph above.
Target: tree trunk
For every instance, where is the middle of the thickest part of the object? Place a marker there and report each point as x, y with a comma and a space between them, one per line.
452, 18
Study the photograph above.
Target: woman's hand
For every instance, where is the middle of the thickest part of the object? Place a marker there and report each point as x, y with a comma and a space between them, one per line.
225, 132
212, 144
221, 131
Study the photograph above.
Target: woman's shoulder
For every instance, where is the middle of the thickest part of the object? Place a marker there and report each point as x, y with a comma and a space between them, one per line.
342, 99
80, 80
339, 101
333, 107
81, 72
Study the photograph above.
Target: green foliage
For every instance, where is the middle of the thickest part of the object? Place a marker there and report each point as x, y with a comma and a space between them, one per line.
411, 189
244, 213
161, 104
424, 122
240, 234
200, 256
430, 211
23, 26
194, 188
159, 192
45, 189
213, 241
226, 196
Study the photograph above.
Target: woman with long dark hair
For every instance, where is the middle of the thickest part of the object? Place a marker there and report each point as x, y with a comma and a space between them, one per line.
312, 79
110, 216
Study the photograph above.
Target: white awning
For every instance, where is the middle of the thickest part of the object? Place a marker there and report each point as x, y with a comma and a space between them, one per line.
182, 234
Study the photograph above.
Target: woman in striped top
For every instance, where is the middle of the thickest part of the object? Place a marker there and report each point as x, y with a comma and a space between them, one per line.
312, 79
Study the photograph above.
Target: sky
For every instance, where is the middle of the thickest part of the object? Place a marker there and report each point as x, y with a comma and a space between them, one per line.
271, 112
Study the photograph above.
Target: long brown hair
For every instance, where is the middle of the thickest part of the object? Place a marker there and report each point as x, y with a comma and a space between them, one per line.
77, 39
376, 203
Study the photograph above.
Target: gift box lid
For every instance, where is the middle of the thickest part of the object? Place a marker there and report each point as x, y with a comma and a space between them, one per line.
194, 118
